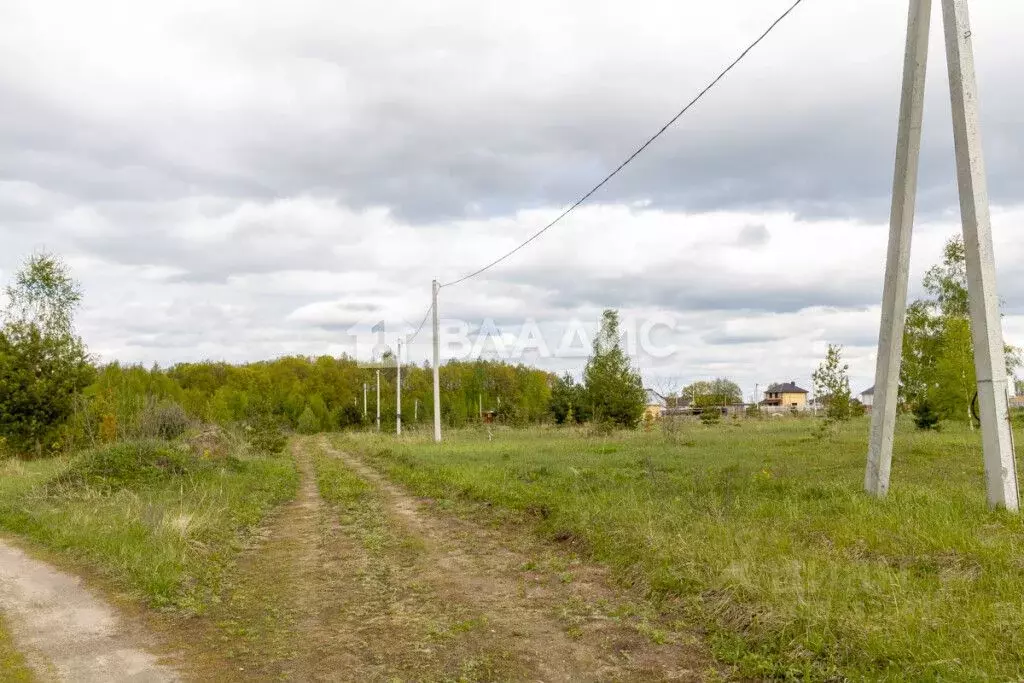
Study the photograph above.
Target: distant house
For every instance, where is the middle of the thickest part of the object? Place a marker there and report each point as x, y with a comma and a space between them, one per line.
656, 405
785, 395
1017, 402
678, 406
867, 397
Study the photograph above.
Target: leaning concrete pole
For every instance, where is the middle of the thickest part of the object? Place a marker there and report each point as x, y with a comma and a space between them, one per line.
897, 263
986, 326
435, 286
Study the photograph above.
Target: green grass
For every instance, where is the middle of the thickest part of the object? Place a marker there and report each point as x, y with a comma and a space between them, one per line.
761, 534
359, 507
12, 665
161, 524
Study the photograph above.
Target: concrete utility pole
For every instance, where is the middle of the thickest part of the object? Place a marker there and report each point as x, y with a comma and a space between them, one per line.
435, 286
398, 390
480, 406
416, 410
378, 399
986, 327
365, 387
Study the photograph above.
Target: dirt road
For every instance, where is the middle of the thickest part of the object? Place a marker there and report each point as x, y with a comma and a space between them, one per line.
378, 586
560, 618
66, 632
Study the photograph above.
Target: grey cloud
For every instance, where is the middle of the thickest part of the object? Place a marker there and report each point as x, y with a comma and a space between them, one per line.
675, 291
433, 137
152, 234
725, 338
753, 236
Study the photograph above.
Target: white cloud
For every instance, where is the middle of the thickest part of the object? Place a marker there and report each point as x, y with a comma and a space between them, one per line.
241, 180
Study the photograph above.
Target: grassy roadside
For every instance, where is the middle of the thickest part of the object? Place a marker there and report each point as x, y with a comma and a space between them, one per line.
159, 522
12, 665
759, 531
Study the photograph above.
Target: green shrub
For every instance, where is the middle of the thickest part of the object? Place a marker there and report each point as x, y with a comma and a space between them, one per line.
925, 417
265, 436
347, 416
162, 420
309, 423
131, 464
711, 416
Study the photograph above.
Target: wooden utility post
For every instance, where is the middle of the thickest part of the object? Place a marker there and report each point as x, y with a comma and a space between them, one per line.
986, 327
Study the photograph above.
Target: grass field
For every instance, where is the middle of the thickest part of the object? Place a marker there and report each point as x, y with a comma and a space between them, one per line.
759, 533
162, 525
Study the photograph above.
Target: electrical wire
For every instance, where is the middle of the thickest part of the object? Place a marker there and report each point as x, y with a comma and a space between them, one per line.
422, 323
636, 153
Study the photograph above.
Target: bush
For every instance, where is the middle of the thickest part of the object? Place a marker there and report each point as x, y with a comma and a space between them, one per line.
265, 436
711, 416
162, 420
308, 422
925, 417
132, 464
348, 416
211, 441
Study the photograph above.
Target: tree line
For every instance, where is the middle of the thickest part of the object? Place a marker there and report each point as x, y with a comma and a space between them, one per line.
53, 397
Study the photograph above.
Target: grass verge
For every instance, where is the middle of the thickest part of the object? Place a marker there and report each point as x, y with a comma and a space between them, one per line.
161, 523
759, 532
12, 665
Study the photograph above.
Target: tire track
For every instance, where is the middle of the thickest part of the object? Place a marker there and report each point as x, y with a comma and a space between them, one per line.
477, 565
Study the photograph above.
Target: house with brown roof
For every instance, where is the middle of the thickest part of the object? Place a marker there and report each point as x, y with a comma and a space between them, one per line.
785, 395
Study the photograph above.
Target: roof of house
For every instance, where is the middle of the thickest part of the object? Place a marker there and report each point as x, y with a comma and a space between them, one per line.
868, 392
785, 388
655, 399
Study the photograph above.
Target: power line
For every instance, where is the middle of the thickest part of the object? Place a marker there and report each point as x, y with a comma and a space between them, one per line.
422, 323
637, 152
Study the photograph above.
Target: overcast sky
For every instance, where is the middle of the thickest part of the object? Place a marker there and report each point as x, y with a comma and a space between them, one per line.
244, 179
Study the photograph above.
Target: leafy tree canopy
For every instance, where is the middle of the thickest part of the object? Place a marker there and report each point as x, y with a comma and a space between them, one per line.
43, 363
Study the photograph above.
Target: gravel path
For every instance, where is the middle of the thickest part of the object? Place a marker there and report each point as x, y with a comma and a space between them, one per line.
66, 632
